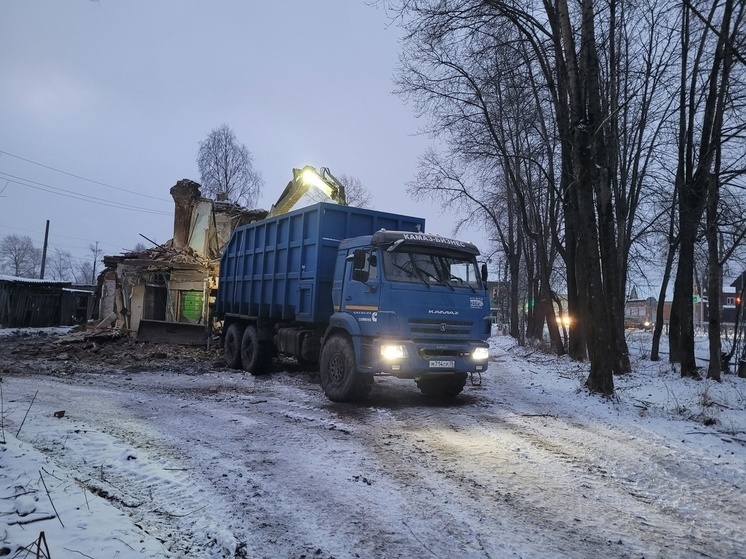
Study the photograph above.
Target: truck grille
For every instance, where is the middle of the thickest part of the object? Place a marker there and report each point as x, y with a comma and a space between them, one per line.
439, 327
434, 353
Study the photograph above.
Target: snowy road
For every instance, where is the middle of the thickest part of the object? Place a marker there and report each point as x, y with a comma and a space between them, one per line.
220, 464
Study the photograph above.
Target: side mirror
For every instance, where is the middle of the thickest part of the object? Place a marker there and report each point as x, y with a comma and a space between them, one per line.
358, 259
484, 274
359, 271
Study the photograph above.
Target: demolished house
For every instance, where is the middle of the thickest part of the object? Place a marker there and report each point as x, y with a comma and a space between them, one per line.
163, 293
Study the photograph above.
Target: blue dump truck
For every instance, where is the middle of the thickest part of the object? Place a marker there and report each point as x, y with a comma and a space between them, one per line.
355, 293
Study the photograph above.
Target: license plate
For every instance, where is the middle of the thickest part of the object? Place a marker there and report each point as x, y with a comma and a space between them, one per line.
442, 364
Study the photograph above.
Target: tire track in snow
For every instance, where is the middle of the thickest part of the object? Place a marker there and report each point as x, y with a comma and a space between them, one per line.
495, 465
666, 479
473, 484
301, 471
666, 483
475, 479
125, 460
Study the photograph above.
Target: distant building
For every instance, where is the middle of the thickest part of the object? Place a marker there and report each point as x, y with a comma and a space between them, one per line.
728, 305
640, 312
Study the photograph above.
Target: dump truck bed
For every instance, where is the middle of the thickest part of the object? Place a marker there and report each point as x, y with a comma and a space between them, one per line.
282, 268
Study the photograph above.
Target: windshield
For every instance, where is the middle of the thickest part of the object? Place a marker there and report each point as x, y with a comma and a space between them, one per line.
432, 268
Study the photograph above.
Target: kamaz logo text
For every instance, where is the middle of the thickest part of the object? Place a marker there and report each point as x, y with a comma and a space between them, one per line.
453, 313
433, 239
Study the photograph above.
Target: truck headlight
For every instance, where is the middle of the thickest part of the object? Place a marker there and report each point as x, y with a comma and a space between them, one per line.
391, 352
480, 354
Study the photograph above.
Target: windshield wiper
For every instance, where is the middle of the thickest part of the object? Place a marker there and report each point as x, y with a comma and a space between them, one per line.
415, 270
420, 274
448, 283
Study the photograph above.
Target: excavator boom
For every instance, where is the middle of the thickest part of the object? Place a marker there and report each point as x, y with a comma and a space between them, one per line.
321, 186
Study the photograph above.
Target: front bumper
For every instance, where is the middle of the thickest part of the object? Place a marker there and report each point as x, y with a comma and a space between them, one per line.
410, 359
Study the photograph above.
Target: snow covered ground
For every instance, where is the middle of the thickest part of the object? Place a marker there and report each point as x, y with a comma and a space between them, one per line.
209, 462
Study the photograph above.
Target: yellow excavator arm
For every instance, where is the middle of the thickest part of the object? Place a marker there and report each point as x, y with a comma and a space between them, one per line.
321, 185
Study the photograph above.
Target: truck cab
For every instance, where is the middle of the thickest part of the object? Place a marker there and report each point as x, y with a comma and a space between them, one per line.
409, 305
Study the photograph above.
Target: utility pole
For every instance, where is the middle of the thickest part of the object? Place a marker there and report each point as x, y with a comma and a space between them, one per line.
44, 252
95, 258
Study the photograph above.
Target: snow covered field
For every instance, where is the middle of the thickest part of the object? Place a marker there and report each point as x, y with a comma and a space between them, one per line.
209, 462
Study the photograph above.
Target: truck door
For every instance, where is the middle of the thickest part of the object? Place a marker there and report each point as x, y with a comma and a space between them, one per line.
361, 287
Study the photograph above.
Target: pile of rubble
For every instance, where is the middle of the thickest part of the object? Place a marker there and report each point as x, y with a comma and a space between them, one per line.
104, 350
167, 253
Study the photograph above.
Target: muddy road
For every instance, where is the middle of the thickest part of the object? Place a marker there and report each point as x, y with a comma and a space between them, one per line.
216, 463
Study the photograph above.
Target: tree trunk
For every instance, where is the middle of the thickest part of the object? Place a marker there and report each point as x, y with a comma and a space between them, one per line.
589, 156
576, 343
595, 318
612, 285
658, 327
548, 314
515, 272
714, 282
690, 212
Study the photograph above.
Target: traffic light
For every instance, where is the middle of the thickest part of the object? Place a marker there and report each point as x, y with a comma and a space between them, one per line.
738, 301
494, 293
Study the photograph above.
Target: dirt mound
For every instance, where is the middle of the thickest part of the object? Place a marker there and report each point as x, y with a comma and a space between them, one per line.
25, 351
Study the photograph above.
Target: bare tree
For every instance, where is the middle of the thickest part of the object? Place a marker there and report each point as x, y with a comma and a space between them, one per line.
554, 50
84, 273
226, 168
708, 119
480, 88
89, 275
19, 257
589, 105
59, 265
355, 192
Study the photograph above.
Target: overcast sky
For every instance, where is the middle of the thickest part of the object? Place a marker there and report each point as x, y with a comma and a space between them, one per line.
117, 95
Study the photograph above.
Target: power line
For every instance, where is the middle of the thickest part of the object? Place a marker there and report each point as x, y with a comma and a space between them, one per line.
82, 178
74, 195
76, 248
67, 254
58, 235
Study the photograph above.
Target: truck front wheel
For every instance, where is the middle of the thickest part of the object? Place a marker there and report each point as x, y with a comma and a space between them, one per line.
255, 356
443, 387
232, 346
339, 377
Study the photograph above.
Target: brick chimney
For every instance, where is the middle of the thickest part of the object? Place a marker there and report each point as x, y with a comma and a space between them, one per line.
185, 193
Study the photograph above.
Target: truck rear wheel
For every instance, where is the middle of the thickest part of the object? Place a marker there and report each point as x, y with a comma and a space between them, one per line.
255, 355
339, 377
232, 346
443, 387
